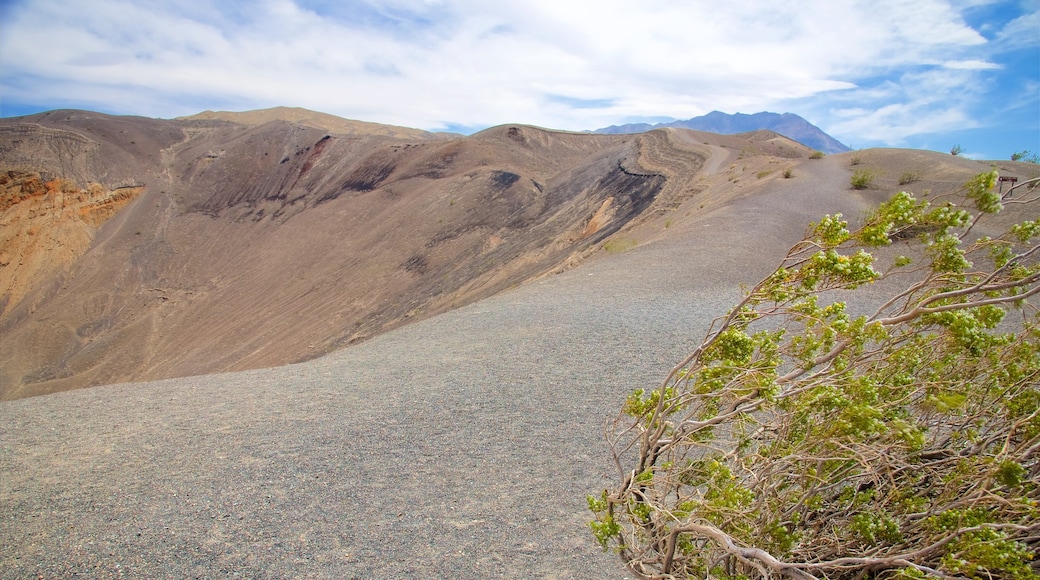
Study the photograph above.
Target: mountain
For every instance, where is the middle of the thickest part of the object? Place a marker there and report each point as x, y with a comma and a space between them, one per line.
787, 124
134, 249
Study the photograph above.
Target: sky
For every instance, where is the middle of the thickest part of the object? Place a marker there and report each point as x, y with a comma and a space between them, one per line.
922, 74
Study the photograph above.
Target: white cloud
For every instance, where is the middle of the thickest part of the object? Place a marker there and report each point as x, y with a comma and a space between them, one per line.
578, 64
973, 64
893, 123
917, 103
1021, 32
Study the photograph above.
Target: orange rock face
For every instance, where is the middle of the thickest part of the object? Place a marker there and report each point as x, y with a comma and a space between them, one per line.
46, 225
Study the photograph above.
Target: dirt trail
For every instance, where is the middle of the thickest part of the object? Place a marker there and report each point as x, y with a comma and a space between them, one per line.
720, 156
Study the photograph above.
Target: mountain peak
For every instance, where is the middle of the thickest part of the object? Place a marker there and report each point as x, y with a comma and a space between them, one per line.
789, 125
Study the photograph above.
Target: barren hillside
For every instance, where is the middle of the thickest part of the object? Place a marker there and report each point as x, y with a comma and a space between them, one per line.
137, 249
330, 123
250, 245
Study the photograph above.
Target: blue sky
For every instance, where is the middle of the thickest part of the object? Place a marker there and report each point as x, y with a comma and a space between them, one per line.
926, 74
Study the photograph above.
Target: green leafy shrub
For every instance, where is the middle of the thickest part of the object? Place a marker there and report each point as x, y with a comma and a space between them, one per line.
802, 439
1025, 156
862, 178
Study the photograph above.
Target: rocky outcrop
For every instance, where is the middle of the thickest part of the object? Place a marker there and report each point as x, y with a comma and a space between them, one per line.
47, 225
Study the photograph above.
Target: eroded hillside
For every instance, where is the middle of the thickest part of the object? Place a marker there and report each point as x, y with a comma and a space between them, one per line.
135, 249
242, 246
45, 226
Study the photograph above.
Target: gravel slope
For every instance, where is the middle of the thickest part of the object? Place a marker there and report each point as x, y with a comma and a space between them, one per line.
458, 447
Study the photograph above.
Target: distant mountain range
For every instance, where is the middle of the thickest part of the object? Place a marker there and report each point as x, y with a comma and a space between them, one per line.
788, 124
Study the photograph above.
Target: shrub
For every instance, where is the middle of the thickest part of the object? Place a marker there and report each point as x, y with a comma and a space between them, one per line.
1025, 156
788, 173
802, 440
862, 179
817, 155
909, 177
618, 245
956, 150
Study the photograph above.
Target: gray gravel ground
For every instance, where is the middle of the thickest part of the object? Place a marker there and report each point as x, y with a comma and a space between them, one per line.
458, 447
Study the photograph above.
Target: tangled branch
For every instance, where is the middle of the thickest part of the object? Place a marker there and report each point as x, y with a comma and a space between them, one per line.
800, 441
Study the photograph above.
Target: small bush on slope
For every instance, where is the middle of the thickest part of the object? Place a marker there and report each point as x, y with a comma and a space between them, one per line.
861, 179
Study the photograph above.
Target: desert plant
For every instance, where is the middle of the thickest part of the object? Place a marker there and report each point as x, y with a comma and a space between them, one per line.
788, 173
909, 177
1026, 156
862, 178
816, 154
618, 245
855, 160
802, 439
956, 150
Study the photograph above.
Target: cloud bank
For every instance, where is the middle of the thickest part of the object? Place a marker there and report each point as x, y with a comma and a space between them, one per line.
883, 70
